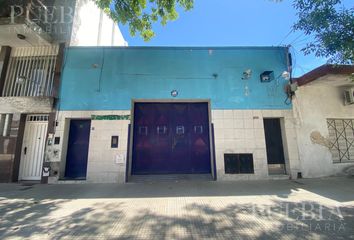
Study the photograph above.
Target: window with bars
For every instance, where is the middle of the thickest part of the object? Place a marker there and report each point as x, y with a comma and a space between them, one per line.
31, 72
36, 80
37, 118
341, 137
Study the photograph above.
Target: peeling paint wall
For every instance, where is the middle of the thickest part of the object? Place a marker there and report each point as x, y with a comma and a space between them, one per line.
313, 105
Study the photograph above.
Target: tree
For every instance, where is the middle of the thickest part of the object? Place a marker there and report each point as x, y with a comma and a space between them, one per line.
331, 25
141, 14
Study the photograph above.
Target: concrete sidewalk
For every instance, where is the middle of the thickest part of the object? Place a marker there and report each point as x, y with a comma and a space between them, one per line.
283, 209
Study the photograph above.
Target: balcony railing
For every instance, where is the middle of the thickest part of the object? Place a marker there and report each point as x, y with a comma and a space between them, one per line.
31, 72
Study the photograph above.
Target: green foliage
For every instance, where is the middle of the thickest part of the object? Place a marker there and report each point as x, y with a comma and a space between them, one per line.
141, 14
332, 27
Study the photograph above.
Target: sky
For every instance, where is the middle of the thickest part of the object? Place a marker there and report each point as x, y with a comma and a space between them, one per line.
235, 23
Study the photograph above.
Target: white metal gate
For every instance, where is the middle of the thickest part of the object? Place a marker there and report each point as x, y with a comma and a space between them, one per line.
33, 147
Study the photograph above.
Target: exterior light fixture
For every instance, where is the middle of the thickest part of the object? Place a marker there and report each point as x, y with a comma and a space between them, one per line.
21, 36
286, 75
21, 79
267, 76
174, 93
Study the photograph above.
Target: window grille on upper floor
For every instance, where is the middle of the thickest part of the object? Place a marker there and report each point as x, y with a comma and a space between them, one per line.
31, 71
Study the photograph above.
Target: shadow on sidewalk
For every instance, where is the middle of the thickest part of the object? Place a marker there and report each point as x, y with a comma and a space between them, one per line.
280, 219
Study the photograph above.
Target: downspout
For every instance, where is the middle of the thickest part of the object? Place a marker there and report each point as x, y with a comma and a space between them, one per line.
290, 64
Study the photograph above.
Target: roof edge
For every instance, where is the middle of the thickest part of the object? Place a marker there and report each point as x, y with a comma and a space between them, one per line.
178, 47
322, 71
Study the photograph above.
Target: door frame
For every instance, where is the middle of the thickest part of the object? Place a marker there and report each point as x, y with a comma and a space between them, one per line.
131, 136
18, 164
284, 143
65, 145
15, 171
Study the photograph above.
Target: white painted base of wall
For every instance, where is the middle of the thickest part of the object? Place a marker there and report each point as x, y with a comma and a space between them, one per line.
242, 131
236, 131
103, 165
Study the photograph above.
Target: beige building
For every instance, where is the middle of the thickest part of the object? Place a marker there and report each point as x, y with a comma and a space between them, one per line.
324, 109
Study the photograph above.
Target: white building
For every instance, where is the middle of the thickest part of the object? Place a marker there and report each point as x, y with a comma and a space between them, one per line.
33, 36
325, 121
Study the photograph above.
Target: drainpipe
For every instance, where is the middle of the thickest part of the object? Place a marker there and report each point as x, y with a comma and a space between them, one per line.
290, 64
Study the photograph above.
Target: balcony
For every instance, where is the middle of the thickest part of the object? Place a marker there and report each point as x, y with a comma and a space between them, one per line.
28, 86
26, 22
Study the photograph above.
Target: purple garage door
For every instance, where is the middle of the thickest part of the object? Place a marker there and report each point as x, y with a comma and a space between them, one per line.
171, 138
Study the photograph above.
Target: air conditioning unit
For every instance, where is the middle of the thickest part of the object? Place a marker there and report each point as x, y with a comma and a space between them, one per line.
349, 96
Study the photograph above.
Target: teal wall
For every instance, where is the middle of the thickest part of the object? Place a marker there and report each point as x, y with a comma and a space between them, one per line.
96, 78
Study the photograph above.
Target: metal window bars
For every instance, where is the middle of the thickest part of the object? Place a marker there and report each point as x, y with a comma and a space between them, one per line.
31, 71
341, 137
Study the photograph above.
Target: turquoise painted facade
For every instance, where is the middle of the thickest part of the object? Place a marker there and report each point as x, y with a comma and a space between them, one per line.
96, 78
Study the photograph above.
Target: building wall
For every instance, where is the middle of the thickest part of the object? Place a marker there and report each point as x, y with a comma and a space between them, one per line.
8, 149
92, 27
313, 105
7, 153
62, 23
88, 27
108, 78
242, 131
103, 81
105, 164
236, 131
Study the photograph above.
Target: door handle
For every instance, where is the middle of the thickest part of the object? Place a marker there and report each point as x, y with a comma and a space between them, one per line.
25, 150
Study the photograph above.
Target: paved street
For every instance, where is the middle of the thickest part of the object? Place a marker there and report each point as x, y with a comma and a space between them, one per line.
283, 209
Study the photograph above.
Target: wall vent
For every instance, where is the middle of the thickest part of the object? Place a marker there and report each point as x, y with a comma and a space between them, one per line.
238, 163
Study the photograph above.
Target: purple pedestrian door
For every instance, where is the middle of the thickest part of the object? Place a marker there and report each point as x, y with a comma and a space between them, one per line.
171, 138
